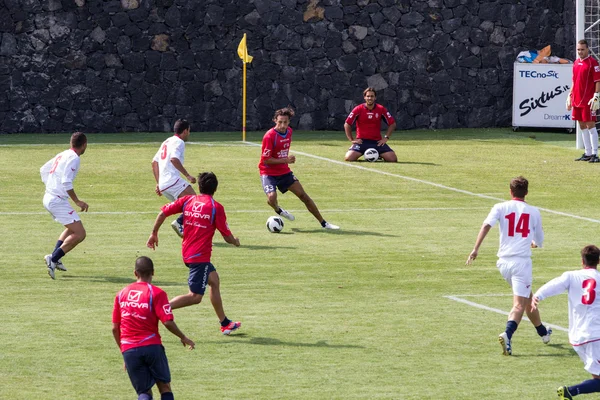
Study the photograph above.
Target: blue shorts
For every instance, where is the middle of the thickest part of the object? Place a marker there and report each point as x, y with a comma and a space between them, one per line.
370, 144
199, 276
281, 182
147, 365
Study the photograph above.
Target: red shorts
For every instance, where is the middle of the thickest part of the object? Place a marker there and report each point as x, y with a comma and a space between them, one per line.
583, 114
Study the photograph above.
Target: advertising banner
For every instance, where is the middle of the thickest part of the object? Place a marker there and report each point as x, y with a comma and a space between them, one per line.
539, 95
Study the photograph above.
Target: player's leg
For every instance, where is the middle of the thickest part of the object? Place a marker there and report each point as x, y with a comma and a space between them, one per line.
227, 325
590, 130
299, 191
159, 367
536, 320
387, 153
197, 280
355, 151
269, 184
139, 371
352, 155
176, 192
589, 354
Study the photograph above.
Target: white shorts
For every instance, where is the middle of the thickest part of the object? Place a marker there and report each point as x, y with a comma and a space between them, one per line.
517, 272
590, 355
173, 191
60, 209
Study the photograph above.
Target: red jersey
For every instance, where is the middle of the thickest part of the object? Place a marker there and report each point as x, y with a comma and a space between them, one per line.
275, 145
585, 73
202, 215
368, 122
138, 308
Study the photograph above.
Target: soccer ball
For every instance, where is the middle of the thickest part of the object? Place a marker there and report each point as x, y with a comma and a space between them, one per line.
371, 155
274, 224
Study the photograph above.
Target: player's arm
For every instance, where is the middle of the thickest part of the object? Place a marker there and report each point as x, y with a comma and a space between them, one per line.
156, 173
348, 130
81, 204
153, 239
554, 287
45, 170
538, 234
174, 329
485, 228
232, 240
116, 331
179, 166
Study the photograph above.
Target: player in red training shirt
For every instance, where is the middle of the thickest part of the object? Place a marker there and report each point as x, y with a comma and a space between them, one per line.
584, 100
368, 129
202, 216
275, 172
137, 310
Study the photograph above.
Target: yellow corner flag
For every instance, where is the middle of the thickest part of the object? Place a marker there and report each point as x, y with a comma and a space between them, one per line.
243, 51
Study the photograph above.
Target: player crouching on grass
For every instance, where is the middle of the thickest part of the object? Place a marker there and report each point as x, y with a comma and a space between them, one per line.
275, 172
202, 216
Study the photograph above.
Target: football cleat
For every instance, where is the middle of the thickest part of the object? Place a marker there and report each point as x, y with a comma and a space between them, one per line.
584, 158
51, 265
564, 394
505, 343
330, 226
232, 326
285, 214
546, 337
178, 228
594, 159
60, 266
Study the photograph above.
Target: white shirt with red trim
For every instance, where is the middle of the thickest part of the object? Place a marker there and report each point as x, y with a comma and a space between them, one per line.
168, 175
583, 287
520, 224
59, 173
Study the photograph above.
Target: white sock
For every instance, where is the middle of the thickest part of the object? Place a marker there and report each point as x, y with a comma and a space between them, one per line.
594, 136
585, 134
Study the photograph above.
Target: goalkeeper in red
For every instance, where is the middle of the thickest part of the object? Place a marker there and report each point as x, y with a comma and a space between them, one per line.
584, 100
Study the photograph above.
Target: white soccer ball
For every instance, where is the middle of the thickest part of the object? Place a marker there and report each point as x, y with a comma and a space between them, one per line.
371, 155
274, 224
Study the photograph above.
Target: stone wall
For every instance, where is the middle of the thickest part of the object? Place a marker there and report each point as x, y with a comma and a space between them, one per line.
137, 65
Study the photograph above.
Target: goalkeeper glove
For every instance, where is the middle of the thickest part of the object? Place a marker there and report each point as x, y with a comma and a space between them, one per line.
594, 103
568, 102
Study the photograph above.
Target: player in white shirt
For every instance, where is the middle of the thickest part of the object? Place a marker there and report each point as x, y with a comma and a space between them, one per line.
583, 287
58, 175
167, 164
520, 230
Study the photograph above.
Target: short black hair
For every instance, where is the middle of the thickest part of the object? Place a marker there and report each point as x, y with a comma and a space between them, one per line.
180, 126
144, 267
78, 139
590, 255
208, 183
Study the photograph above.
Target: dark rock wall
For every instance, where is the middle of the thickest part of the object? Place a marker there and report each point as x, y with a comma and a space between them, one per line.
137, 65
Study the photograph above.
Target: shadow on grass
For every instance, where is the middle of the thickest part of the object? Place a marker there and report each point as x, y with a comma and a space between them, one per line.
116, 279
342, 232
257, 247
564, 350
264, 341
399, 162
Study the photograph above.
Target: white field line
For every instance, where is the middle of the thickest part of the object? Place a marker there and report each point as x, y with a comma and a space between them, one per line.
408, 178
208, 144
266, 210
496, 310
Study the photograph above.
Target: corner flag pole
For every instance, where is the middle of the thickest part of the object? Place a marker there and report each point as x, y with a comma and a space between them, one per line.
242, 51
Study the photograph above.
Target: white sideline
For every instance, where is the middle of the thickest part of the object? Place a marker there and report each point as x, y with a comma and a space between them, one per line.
408, 178
266, 210
498, 311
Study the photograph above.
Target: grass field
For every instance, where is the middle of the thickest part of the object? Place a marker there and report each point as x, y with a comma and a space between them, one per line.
361, 313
